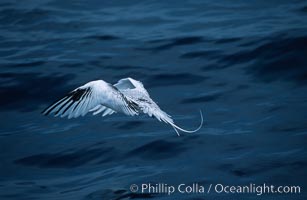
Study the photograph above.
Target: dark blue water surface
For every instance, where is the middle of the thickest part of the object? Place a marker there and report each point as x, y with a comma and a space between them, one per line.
244, 63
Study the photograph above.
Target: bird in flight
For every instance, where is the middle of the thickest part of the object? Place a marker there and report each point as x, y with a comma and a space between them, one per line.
127, 96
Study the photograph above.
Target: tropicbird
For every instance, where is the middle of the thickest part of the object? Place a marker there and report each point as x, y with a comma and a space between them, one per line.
127, 96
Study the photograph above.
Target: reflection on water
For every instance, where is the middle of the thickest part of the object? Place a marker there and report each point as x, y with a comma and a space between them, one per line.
243, 63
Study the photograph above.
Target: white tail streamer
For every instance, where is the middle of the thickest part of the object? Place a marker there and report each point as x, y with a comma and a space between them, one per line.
175, 127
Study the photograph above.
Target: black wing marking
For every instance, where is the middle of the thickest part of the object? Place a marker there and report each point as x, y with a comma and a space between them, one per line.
144, 100
132, 105
66, 102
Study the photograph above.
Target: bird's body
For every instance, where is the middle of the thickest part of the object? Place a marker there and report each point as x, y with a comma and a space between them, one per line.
127, 96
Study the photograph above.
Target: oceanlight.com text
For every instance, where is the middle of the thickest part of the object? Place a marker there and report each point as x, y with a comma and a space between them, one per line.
197, 188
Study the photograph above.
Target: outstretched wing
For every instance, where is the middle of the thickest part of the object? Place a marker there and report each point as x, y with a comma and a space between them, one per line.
95, 96
135, 91
102, 109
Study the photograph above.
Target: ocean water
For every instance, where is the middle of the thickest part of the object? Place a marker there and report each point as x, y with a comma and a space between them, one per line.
243, 63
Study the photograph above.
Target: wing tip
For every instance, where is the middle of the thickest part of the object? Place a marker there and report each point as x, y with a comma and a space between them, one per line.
46, 111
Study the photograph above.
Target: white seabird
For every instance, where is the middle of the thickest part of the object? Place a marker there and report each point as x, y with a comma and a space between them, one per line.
127, 96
